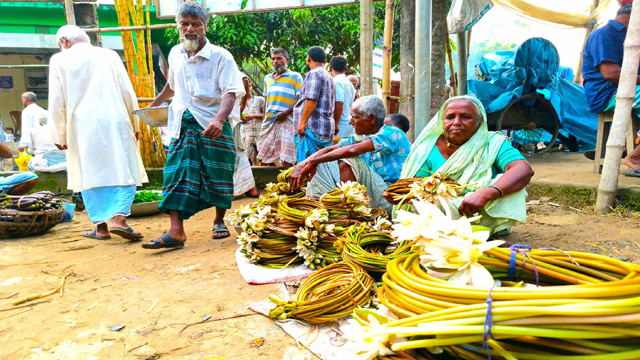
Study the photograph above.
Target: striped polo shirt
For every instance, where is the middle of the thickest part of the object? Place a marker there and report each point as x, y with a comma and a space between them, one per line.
281, 94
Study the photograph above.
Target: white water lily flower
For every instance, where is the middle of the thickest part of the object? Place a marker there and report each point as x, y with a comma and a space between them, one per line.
460, 255
370, 346
320, 215
428, 223
382, 224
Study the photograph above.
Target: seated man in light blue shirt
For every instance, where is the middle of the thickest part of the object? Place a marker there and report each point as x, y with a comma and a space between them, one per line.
372, 156
345, 95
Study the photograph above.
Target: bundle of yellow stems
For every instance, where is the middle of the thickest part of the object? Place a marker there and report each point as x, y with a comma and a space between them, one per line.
588, 308
328, 294
434, 189
371, 249
274, 250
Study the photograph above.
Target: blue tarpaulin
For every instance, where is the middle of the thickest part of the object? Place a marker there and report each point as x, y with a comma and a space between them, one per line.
535, 67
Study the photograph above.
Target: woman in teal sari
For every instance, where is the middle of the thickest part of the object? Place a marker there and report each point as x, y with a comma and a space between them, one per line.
456, 142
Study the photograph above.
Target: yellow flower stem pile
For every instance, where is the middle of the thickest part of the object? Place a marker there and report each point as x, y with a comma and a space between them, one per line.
340, 207
405, 190
371, 249
591, 312
328, 294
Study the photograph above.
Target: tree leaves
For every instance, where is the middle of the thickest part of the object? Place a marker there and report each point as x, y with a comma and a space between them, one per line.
251, 36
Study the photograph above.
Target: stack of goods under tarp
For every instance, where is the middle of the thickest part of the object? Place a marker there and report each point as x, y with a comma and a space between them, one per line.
448, 289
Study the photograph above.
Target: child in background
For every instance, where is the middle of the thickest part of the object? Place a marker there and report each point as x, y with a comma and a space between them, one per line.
398, 120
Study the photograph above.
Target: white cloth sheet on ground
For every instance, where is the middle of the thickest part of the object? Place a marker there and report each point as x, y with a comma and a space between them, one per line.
257, 275
323, 341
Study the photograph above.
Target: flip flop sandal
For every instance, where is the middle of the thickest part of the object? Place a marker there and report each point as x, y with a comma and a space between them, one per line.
127, 233
164, 242
247, 194
91, 234
631, 173
220, 228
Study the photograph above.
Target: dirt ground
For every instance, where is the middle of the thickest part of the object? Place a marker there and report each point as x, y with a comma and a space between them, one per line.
117, 282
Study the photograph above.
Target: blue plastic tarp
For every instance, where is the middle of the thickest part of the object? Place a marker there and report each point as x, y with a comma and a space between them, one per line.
535, 67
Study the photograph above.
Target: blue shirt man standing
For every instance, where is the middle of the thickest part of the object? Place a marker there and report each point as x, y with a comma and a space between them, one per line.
345, 95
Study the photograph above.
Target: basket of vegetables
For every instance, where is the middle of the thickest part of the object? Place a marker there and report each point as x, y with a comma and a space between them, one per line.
146, 202
29, 214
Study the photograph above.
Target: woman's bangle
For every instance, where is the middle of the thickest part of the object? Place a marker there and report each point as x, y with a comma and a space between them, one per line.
499, 190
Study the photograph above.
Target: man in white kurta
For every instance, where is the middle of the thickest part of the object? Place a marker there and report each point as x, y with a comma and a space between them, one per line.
91, 100
31, 116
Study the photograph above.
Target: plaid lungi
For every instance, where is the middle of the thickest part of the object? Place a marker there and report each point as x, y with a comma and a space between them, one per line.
276, 144
198, 173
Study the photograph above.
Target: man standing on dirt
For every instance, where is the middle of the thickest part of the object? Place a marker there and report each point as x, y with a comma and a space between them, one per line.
205, 83
276, 144
31, 117
91, 100
313, 113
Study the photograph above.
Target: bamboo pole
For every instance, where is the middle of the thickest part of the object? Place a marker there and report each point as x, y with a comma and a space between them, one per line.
68, 12
452, 70
131, 28
386, 54
622, 114
366, 47
590, 28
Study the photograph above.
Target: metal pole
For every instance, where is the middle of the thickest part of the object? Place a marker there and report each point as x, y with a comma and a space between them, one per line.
366, 47
461, 47
423, 64
23, 66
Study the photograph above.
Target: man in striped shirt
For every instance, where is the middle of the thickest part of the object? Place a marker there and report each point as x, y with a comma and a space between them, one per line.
276, 144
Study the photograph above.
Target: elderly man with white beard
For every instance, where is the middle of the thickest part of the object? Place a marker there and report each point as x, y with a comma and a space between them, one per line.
90, 103
205, 83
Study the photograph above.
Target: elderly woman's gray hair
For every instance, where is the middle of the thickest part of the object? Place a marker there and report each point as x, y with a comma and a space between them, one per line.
193, 10
371, 104
72, 34
479, 114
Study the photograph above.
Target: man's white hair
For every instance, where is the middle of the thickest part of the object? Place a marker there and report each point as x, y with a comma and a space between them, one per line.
71, 33
371, 104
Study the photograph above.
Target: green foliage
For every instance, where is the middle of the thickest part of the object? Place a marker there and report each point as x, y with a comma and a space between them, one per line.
146, 196
250, 36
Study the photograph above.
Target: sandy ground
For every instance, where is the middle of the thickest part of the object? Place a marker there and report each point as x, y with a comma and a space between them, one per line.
117, 282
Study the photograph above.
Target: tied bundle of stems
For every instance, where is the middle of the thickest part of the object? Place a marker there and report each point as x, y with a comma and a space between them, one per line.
371, 248
272, 250
326, 295
282, 187
437, 188
590, 308
348, 201
298, 211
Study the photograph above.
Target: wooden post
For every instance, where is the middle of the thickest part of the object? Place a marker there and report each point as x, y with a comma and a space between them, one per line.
407, 63
87, 17
590, 28
461, 48
622, 114
68, 12
366, 47
386, 54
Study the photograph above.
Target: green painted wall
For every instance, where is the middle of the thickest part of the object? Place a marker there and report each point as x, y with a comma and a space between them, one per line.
46, 18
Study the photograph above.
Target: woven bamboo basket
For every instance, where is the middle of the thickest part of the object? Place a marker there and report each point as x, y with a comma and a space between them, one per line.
14, 223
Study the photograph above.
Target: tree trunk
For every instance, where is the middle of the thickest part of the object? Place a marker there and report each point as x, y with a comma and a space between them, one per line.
622, 114
438, 54
366, 47
86, 17
407, 62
